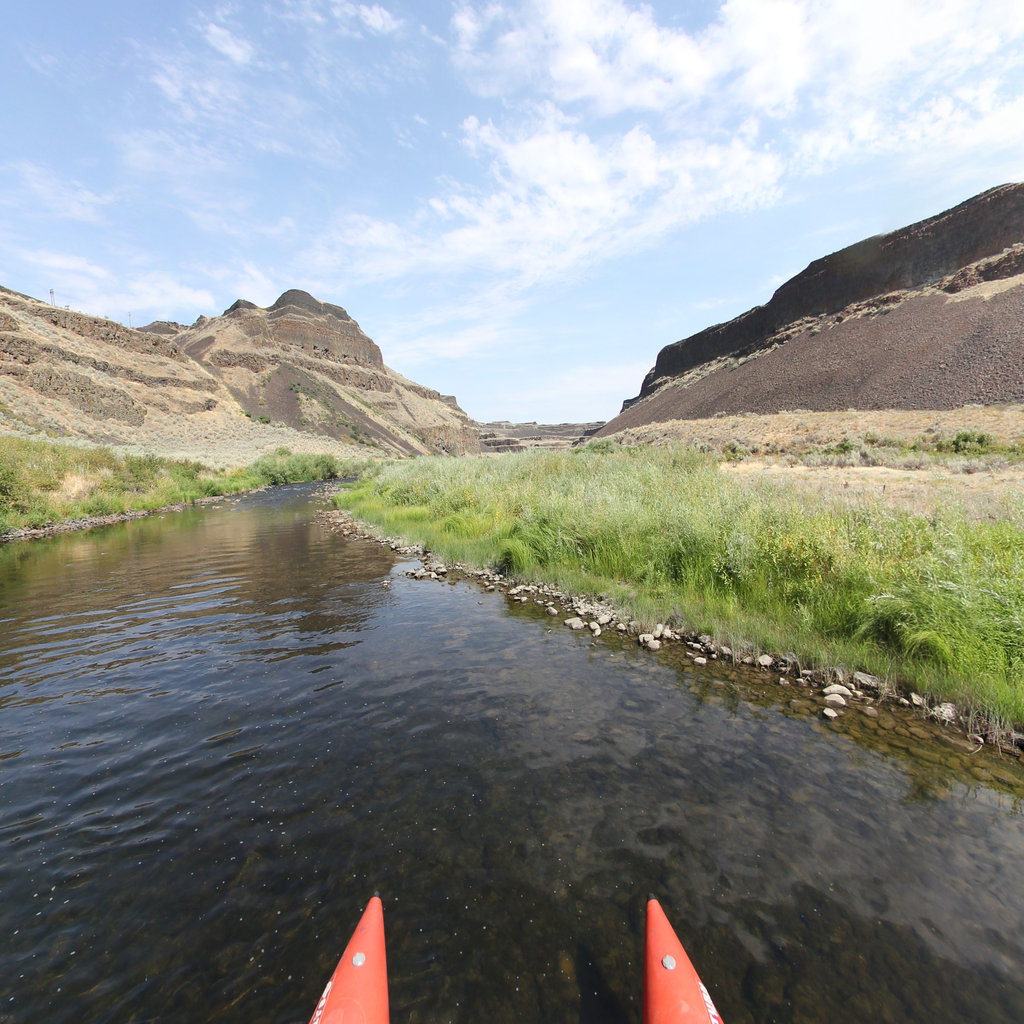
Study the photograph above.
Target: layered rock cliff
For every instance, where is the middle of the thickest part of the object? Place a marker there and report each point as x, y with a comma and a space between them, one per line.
300, 373
504, 436
307, 364
928, 316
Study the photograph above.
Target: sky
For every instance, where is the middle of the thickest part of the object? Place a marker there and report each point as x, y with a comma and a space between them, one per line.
521, 202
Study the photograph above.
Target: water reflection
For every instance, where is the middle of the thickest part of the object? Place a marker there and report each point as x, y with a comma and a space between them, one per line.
222, 732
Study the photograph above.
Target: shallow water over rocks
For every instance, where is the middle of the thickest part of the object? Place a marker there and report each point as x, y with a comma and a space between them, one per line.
220, 731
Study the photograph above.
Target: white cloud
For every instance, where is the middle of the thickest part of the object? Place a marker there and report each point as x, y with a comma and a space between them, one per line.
757, 55
43, 63
566, 173
66, 263
342, 15
162, 154
769, 91
244, 281
378, 19
44, 190
290, 99
88, 286
152, 295
477, 323
559, 201
229, 45
411, 347
603, 52
197, 92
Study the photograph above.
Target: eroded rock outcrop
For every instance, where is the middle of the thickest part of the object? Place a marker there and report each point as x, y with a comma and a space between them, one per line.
308, 364
300, 374
66, 373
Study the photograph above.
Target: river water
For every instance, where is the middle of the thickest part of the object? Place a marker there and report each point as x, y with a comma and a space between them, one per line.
222, 730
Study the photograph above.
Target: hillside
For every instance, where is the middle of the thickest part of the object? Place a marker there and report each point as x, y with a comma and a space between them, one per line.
300, 374
927, 317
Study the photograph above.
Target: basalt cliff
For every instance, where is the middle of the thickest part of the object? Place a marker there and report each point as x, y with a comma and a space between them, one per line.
927, 317
300, 374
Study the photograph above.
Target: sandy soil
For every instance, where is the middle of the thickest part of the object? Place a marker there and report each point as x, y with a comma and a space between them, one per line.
985, 494
798, 430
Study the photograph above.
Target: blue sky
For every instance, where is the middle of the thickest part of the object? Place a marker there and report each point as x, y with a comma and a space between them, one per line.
521, 202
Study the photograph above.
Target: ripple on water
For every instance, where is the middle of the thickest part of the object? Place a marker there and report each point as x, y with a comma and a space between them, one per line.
220, 733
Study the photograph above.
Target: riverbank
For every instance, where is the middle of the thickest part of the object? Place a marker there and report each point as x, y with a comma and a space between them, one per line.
49, 487
926, 604
53, 529
855, 703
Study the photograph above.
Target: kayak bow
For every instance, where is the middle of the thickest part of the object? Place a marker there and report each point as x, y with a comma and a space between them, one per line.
673, 993
358, 990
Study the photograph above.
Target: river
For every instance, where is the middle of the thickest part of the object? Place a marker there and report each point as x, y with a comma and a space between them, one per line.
222, 730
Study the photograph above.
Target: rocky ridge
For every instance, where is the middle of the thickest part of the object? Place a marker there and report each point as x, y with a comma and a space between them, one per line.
503, 436
929, 316
299, 374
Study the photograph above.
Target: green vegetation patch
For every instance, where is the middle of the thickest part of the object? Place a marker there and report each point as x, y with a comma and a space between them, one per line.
969, 442
934, 601
43, 482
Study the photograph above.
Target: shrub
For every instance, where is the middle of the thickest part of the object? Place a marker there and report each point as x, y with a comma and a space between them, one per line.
968, 442
14, 491
282, 467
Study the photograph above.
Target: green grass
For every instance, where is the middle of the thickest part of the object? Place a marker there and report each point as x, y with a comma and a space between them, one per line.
936, 603
43, 482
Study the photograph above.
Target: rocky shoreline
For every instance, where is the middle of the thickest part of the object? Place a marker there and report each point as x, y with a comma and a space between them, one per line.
91, 522
829, 692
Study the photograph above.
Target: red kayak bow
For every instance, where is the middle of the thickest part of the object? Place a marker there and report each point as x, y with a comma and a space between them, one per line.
358, 990
673, 994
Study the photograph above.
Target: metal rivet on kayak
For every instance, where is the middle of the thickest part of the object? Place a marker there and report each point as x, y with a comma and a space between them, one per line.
669, 963
360, 958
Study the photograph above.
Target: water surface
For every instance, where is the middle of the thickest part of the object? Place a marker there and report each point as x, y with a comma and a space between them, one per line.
221, 731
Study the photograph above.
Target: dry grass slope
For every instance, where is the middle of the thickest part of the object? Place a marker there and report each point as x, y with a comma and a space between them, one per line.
884, 460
